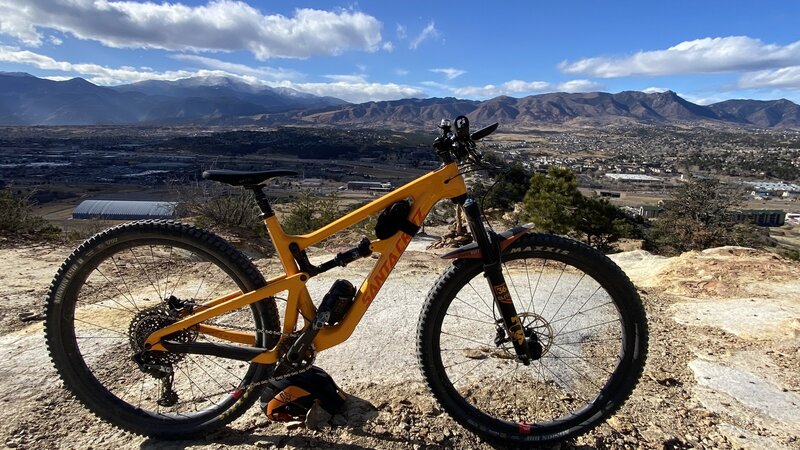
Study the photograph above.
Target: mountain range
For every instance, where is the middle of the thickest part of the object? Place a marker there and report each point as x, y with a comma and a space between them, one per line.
28, 100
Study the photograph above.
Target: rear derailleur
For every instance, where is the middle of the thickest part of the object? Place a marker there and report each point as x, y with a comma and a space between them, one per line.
164, 373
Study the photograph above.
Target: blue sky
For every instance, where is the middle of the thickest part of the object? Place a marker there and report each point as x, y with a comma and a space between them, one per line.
375, 50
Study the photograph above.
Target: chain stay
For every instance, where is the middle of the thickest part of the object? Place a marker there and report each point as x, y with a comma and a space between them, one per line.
269, 379
295, 334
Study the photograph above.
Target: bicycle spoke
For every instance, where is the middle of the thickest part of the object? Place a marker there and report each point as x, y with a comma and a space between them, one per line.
133, 303
462, 337
579, 311
146, 273
124, 283
586, 328
155, 274
476, 309
532, 291
208, 267
482, 300
470, 371
166, 278
469, 318
554, 288
568, 296
582, 358
101, 327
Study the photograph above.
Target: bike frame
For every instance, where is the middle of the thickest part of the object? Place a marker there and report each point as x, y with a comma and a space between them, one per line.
443, 183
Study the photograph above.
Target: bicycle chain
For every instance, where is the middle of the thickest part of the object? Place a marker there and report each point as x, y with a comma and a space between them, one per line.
296, 334
270, 379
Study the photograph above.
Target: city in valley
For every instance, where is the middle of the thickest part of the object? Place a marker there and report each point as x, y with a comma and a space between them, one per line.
634, 166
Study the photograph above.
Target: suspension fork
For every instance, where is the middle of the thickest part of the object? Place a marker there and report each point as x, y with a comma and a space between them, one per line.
493, 271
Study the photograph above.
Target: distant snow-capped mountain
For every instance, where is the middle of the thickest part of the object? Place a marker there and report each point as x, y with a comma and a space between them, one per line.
217, 100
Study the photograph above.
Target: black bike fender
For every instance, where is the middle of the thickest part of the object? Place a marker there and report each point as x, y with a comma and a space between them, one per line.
506, 239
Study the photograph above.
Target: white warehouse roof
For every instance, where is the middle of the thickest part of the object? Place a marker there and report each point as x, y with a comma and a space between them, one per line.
123, 210
770, 186
631, 177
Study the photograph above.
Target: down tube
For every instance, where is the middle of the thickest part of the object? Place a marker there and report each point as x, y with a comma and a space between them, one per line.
390, 254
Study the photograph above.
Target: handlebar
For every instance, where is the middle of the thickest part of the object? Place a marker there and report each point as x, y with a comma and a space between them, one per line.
459, 142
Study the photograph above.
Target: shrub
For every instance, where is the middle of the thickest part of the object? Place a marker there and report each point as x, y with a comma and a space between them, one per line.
505, 189
216, 205
700, 216
551, 200
307, 213
17, 219
554, 204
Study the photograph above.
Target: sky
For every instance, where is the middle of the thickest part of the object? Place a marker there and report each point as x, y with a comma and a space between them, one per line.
706, 51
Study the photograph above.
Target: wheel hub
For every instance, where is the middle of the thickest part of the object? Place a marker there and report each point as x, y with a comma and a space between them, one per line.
538, 333
146, 322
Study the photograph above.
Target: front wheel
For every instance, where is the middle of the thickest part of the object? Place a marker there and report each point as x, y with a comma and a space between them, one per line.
576, 306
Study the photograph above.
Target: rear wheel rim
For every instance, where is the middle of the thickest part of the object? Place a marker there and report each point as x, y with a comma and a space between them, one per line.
127, 279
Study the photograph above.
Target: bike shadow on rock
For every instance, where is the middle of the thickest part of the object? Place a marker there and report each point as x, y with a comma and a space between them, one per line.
355, 414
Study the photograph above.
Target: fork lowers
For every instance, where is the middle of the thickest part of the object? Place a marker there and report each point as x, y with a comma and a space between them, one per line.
493, 272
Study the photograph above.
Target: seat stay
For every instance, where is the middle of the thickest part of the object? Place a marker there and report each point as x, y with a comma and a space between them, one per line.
222, 305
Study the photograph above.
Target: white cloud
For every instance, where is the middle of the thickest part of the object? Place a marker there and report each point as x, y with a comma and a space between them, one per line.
220, 25
708, 55
400, 72
388, 46
654, 90
353, 88
704, 99
450, 72
401, 32
428, 32
352, 78
437, 85
786, 77
579, 86
359, 92
96, 73
514, 87
507, 88
54, 40
269, 73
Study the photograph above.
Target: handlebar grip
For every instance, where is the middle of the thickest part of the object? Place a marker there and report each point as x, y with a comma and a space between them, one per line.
462, 128
483, 132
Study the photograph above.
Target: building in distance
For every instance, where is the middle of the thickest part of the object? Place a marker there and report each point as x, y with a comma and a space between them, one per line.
369, 186
123, 210
633, 177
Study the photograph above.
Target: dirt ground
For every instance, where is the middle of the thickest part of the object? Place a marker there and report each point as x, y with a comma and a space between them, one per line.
723, 369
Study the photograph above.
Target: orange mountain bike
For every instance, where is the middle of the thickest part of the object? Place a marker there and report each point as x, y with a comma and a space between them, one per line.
166, 330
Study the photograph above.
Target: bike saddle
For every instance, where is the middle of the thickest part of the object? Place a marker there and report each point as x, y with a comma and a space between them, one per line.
245, 178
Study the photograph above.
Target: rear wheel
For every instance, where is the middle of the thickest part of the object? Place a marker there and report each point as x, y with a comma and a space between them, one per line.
575, 304
113, 291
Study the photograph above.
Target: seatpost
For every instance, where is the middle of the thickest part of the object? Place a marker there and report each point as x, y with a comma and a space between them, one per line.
492, 270
261, 200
